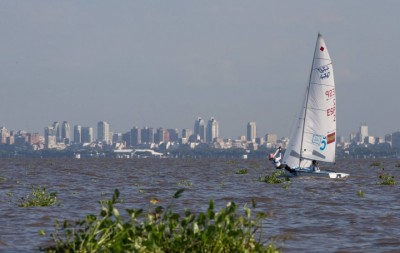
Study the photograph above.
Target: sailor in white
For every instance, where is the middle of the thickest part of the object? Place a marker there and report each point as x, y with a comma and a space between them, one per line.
276, 161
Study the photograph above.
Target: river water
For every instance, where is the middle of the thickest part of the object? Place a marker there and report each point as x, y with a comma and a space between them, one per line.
308, 215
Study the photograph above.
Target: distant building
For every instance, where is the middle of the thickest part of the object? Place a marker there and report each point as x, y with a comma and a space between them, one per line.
173, 135
396, 139
65, 132
87, 134
50, 137
363, 133
4, 134
77, 134
271, 138
57, 128
162, 135
147, 135
251, 131
103, 132
200, 129
212, 130
186, 133
136, 137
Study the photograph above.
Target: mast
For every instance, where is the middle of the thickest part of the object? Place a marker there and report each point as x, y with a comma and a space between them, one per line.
306, 105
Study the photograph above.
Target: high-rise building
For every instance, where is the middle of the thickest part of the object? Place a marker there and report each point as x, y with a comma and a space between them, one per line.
363, 132
136, 137
147, 135
186, 133
173, 135
144, 133
77, 134
251, 131
4, 134
57, 128
65, 132
396, 139
271, 138
212, 130
200, 129
50, 138
87, 134
103, 132
150, 134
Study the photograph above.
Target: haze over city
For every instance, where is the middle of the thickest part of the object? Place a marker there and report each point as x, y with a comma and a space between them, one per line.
165, 63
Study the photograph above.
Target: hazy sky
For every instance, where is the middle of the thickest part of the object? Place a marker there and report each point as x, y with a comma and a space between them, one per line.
164, 63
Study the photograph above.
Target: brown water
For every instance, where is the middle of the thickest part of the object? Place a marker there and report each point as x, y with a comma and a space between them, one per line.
311, 215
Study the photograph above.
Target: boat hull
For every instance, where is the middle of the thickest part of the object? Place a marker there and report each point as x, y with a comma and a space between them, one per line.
301, 172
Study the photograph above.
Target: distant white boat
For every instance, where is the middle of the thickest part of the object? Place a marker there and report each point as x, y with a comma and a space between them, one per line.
314, 134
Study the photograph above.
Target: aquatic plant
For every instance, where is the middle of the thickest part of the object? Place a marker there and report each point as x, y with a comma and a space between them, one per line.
242, 171
276, 177
39, 197
233, 162
162, 230
360, 193
376, 164
386, 178
185, 183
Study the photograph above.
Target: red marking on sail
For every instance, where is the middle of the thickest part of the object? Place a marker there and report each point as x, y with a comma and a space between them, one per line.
331, 138
322, 49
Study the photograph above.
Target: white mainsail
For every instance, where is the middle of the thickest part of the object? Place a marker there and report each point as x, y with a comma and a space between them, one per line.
314, 134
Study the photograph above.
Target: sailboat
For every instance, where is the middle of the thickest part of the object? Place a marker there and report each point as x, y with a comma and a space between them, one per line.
313, 137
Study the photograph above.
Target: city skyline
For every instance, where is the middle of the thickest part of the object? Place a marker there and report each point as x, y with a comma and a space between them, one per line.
250, 134
160, 64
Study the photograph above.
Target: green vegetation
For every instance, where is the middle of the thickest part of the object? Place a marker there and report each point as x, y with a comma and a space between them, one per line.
39, 197
276, 177
242, 171
162, 230
185, 183
386, 178
376, 164
360, 193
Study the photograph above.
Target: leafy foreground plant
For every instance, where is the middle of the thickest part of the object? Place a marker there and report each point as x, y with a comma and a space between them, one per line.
39, 197
276, 177
386, 178
161, 230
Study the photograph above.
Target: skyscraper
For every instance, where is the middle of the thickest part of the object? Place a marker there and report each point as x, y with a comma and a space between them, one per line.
186, 133
136, 137
50, 138
212, 130
65, 132
396, 140
87, 134
251, 131
363, 132
173, 135
200, 129
103, 132
57, 128
271, 138
77, 134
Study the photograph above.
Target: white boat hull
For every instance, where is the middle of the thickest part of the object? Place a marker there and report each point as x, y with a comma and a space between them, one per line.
305, 172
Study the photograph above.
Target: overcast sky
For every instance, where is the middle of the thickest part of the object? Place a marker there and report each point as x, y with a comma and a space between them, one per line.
165, 63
